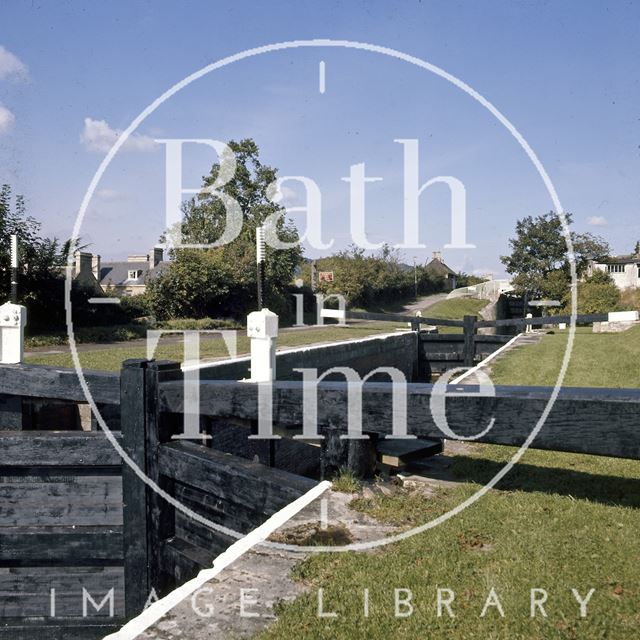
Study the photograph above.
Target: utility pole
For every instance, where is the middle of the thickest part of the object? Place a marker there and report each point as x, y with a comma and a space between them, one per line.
14, 268
260, 255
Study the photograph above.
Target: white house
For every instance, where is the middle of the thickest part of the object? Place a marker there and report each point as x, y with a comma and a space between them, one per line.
625, 270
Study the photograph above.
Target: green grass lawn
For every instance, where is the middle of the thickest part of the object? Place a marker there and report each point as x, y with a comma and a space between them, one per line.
557, 521
455, 308
597, 360
110, 358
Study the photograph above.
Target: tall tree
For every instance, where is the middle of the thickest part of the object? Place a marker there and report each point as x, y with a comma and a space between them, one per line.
539, 260
232, 266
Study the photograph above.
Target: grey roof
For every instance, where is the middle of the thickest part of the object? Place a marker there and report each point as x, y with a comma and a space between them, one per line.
440, 268
630, 259
117, 273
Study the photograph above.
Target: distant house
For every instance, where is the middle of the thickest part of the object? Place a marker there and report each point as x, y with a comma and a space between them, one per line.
127, 277
624, 270
439, 269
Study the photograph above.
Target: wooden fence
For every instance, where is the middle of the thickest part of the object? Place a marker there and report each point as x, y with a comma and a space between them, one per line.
73, 517
443, 352
83, 540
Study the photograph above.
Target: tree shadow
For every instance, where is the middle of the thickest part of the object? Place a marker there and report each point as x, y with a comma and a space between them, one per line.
604, 489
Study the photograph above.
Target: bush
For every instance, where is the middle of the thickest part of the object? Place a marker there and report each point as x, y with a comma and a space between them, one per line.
598, 294
198, 324
115, 333
630, 300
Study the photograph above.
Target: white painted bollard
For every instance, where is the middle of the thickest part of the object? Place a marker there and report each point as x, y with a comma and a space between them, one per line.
262, 328
529, 328
13, 319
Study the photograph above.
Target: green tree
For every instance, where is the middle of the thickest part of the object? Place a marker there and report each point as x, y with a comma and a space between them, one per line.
195, 285
539, 261
230, 269
40, 262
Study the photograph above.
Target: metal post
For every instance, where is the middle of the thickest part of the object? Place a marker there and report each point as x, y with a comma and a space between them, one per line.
14, 268
260, 256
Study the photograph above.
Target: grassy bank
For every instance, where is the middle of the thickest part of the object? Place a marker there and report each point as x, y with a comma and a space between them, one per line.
455, 308
557, 522
110, 358
597, 360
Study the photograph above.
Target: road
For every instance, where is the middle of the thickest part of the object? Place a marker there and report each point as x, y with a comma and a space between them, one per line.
424, 303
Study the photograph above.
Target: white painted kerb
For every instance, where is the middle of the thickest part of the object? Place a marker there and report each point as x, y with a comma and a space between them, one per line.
153, 613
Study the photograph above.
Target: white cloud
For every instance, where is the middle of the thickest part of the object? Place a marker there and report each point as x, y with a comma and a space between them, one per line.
99, 136
7, 119
597, 221
110, 195
11, 67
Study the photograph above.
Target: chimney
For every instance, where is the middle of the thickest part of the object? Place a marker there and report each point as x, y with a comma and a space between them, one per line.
437, 255
84, 262
95, 267
155, 257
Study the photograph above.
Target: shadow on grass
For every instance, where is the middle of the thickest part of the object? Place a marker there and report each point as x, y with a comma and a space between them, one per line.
604, 489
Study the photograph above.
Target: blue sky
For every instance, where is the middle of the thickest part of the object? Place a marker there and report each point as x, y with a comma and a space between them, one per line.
73, 74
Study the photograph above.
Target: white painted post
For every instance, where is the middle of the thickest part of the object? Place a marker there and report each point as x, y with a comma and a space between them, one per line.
262, 328
529, 327
13, 319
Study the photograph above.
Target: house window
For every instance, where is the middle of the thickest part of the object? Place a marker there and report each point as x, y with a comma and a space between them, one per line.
615, 268
134, 273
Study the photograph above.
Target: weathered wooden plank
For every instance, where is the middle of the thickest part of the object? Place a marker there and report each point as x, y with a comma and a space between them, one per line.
39, 381
251, 484
206, 538
597, 421
587, 318
183, 559
26, 591
10, 412
160, 513
441, 337
134, 490
224, 512
469, 335
67, 629
394, 317
70, 544
80, 501
59, 448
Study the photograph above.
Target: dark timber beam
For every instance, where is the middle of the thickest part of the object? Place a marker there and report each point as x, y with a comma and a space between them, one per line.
38, 381
595, 421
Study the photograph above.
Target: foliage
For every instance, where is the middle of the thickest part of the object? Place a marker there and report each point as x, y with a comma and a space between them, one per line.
370, 280
468, 280
40, 262
539, 261
223, 280
598, 294
346, 482
199, 324
630, 300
